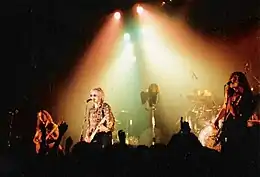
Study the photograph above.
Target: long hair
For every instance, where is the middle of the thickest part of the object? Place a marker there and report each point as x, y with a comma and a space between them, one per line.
242, 82
247, 96
44, 115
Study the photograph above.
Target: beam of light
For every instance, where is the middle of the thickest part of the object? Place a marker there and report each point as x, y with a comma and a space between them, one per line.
122, 73
178, 51
162, 57
123, 85
89, 73
124, 62
172, 53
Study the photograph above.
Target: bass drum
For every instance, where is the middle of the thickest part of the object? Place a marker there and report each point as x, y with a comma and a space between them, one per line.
131, 140
207, 138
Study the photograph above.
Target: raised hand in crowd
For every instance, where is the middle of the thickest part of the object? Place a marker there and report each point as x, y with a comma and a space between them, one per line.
68, 145
63, 127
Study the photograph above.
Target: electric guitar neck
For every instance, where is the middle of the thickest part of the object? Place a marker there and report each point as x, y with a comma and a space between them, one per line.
96, 130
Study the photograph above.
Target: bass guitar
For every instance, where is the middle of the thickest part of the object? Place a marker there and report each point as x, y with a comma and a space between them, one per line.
50, 136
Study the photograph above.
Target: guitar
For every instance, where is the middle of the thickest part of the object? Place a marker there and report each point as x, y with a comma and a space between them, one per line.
38, 136
219, 134
91, 137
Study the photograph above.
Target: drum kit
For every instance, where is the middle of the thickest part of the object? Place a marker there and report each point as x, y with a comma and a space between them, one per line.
201, 115
125, 123
203, 110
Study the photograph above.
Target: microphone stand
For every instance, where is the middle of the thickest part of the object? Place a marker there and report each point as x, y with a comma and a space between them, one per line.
83, 125
153, 108
82, 130
248, 70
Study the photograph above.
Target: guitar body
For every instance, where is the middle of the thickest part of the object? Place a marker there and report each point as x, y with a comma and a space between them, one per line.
91, 137
208, 138
38, 137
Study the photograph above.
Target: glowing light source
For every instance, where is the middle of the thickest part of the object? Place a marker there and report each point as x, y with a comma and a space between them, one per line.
117, 15
139, 9
127, 37
163, 3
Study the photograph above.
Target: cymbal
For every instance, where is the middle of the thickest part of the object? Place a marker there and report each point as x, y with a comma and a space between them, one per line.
124, 111
199, 95
117, 122
207, 93
208, 110
203, 93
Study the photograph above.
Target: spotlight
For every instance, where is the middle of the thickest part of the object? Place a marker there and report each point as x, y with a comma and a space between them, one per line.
163, 3
139, 9
127, 37
117, 15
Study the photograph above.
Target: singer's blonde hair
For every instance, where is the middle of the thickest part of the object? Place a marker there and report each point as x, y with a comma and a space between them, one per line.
100, 90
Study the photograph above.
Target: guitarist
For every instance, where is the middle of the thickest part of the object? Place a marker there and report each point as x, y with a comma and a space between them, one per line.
236, 110
45, 121
99, 119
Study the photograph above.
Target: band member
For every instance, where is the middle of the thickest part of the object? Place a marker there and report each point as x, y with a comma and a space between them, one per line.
236, 110
100, 120
44, 120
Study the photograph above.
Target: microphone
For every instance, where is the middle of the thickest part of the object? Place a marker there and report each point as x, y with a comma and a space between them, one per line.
88, 100
228, 83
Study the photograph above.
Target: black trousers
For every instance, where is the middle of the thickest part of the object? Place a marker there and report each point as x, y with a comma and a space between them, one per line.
103, 139
234, 137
